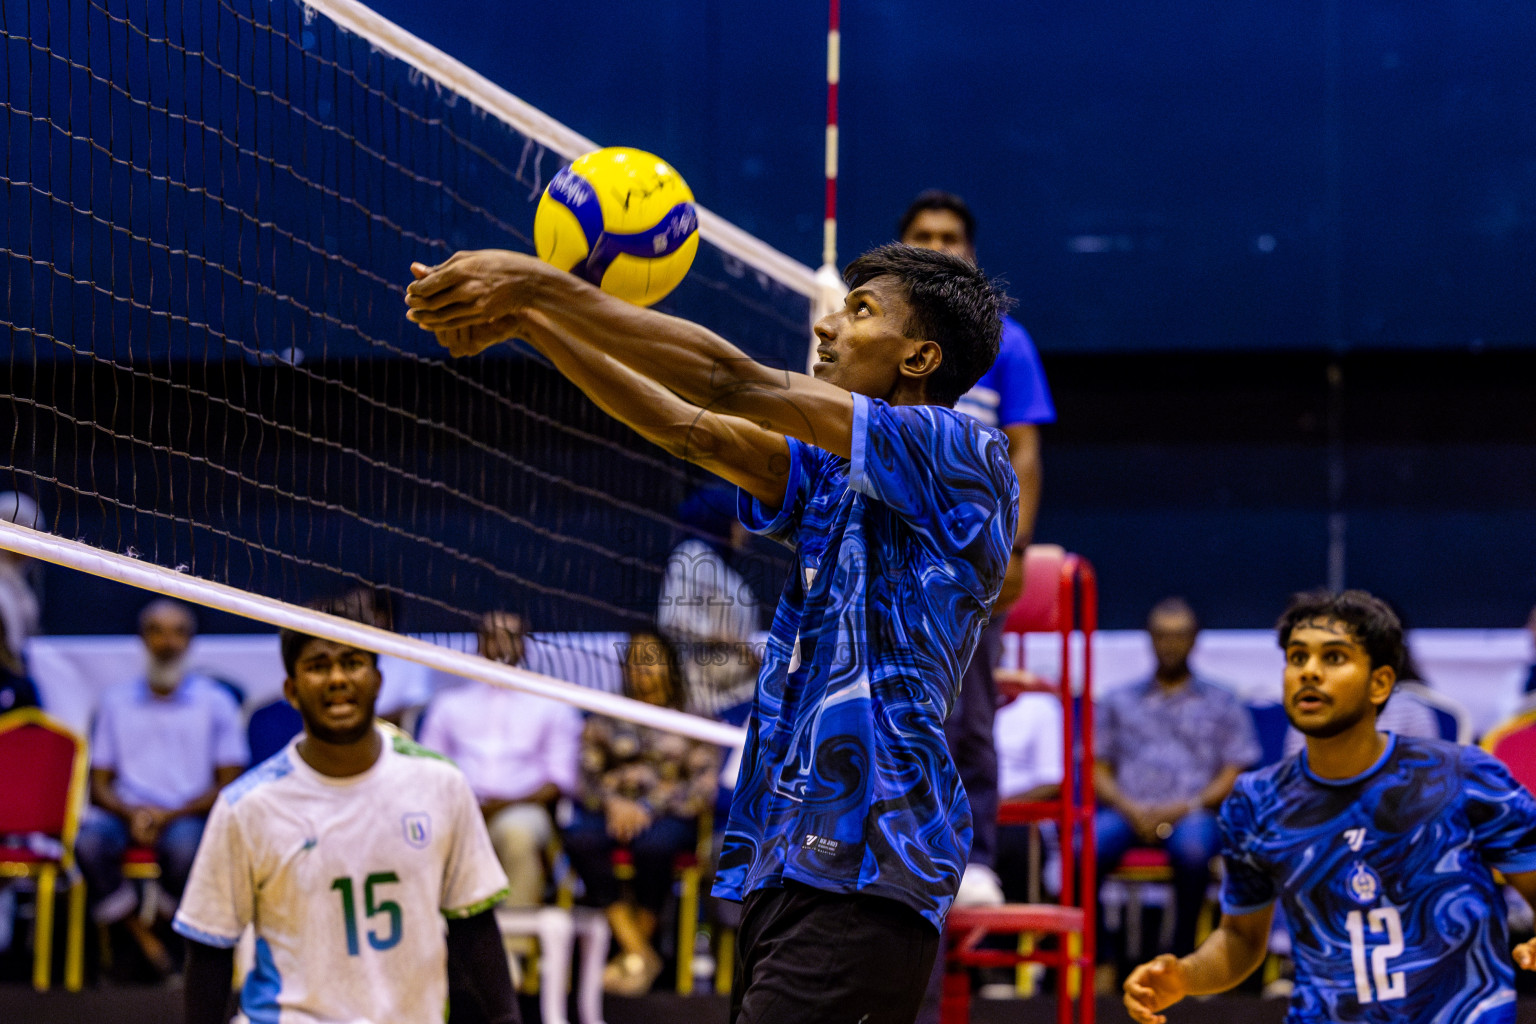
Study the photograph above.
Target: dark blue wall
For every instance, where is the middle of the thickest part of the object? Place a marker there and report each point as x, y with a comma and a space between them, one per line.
1148, 175
1177, 192
1232, 178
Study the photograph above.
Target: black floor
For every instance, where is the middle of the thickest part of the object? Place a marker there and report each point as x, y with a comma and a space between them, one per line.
141, 1004
162, 1005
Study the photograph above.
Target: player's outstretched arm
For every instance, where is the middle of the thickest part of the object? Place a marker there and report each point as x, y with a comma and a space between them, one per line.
754, 459
1525, 884
471, 289
206, 987
1231, 953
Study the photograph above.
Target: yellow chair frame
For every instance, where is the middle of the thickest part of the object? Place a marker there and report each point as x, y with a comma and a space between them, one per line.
689, 879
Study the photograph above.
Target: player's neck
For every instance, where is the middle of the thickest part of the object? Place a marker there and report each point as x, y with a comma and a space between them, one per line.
1350, 753
341, 760
1174, 679
908, 392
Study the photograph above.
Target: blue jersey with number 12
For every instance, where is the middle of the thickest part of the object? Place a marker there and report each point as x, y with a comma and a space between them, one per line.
1386, 880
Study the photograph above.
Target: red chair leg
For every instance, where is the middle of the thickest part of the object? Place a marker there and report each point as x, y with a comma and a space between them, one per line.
956, 1005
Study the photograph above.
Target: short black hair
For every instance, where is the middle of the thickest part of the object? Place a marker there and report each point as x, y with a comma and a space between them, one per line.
953, 303
1171, 606
1371, 620
347, 606
938, 199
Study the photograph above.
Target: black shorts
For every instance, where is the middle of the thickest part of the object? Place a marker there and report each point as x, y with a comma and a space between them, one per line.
806, 956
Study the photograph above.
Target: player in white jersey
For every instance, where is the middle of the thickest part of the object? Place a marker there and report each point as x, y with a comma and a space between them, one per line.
347, 851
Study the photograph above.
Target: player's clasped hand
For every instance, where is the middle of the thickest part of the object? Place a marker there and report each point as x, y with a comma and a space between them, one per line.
1525, 955
1155, 985
471, 289
466, 341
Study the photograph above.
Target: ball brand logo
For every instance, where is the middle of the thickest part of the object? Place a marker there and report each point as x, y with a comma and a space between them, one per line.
687, 222
570, 187
1364, 886
418, 830
679, 224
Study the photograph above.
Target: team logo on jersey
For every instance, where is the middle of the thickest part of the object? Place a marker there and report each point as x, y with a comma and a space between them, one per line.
1364, 886
824, 845
418, 829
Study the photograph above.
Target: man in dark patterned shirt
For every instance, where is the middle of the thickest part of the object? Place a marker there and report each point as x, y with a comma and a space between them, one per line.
1168, 750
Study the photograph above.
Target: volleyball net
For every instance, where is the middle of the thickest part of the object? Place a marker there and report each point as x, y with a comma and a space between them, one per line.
208, 209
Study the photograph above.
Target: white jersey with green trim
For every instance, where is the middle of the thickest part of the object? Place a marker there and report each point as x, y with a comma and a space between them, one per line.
347, 882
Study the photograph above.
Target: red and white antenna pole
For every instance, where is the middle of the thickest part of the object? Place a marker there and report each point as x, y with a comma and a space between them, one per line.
834, 47
830, 288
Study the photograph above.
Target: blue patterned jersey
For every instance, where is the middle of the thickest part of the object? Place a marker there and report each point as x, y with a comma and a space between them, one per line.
846, 780
1386, 880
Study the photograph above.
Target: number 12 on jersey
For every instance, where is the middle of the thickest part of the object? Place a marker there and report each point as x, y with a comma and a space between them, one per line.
372, 908
1388, 985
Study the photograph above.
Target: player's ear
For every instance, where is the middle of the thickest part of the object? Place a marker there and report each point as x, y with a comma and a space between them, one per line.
924, 358
288, 692
1382, 681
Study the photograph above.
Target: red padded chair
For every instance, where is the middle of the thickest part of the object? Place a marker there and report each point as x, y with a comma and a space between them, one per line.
45, 768
1060, 597
1514, 743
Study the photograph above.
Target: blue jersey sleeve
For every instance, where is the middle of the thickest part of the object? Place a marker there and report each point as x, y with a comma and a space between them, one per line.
1502, 813
783, 524
947, 477
1246, 886
1023, 395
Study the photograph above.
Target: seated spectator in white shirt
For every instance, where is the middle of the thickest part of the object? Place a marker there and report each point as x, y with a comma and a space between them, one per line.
1027, 731
519, 753
163, 746
16, 687
708, 610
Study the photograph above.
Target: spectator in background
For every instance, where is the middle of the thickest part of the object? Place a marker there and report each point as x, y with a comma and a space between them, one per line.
708, 610
16, 687
1011, 396
642, 789
1029, 765
1168, 751
162, 747
20, 610
518, 752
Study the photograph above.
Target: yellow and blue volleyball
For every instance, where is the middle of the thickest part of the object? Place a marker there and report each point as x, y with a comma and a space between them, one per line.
621, 219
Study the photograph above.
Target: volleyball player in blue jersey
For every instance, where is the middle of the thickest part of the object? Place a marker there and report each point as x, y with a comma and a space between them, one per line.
1381, 848
849, 829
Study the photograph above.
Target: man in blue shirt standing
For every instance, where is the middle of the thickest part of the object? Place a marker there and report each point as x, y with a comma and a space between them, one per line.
850, 829
1012, 396
1382, 849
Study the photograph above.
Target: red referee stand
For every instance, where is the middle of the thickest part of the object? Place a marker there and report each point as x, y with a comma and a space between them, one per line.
1060, 597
